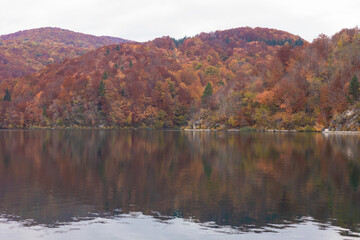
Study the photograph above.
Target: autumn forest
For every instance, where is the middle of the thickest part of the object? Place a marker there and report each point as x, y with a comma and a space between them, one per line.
245, 77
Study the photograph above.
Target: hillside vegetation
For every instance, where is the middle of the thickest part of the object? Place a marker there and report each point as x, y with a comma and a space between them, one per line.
259, 77
28, 51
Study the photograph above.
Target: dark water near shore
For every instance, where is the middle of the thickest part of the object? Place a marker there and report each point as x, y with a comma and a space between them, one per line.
178, 185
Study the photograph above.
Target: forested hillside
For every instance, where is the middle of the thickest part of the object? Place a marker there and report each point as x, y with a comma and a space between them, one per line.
259, 77
31, 50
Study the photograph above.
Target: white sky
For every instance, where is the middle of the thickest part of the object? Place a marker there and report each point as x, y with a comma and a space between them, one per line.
143, 20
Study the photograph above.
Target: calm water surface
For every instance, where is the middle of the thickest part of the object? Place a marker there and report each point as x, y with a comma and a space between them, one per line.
143, 184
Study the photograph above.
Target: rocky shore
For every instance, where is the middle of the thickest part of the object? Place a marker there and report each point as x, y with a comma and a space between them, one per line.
347, 121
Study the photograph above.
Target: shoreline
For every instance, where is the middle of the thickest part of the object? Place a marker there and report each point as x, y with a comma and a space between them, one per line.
275, 131
340, 132
191, 130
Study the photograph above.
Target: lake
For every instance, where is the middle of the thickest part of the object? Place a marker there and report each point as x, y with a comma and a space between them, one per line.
149, 184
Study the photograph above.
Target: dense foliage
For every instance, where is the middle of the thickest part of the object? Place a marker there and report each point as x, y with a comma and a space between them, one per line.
240, 77
31, 50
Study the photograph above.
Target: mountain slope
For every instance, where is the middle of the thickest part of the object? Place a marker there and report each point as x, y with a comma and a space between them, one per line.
31, 50
254, 77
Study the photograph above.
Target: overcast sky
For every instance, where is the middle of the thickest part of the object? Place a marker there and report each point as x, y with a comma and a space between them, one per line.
143, 20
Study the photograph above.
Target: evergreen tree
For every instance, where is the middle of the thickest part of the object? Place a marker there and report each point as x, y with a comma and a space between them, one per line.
44, 111
117, 48
130, 64
208, 91
7, 96
298, 42
105, 76
101, 89
354, 89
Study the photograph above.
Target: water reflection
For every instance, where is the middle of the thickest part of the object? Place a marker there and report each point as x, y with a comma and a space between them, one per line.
126, 226
239, 180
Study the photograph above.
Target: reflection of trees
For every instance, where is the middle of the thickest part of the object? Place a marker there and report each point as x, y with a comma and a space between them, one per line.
354, 175
230, 178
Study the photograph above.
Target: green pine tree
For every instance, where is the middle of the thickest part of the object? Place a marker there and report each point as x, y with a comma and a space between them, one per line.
44, 111
101, 89
354, 89
227, 40
7, 96
105, 76
208, 92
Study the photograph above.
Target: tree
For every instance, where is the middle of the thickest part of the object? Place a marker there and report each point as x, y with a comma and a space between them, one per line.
105, 76
7, 96
44, 111
354, 89
208, 91
101, 88
227, 40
